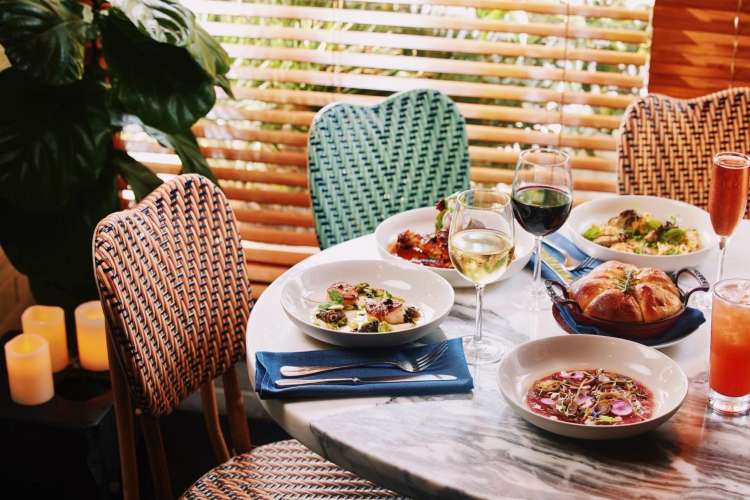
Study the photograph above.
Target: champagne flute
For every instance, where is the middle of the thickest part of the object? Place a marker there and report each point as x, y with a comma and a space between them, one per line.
542, 197
480, 245
727, 200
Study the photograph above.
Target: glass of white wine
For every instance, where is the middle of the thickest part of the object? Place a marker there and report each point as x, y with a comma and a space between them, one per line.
481, 244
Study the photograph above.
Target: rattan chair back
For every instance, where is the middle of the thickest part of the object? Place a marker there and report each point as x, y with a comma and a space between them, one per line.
367, 163
667, 144
172, 281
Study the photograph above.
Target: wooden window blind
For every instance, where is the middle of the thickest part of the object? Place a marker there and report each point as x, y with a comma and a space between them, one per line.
699, 46
523, 73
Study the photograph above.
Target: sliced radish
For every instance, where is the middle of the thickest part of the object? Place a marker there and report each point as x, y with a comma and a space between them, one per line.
622, 408
547, 401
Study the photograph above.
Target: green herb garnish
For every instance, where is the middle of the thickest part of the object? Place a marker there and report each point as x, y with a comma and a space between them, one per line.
593, 232
335, 296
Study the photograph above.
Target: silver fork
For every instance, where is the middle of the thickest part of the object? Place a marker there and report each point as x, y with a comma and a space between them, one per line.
410, 365
571, 264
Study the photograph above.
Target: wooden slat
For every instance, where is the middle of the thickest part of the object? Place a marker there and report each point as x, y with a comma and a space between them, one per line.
262, 176
277, 217
280, 236
264, 273
294, 198
480, 154
398, 19
430, 65
213, 130
469, 110
257, 289
453, 88
422, 42
501, 175
535, 7
475, 133
277, 257
258, 156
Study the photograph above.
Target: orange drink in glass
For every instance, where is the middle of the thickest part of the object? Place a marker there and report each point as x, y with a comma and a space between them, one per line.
729, 373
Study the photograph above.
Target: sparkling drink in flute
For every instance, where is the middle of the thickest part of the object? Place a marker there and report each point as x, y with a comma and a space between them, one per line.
729, 373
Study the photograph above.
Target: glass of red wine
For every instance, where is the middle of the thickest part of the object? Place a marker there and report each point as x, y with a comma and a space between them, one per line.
542, 197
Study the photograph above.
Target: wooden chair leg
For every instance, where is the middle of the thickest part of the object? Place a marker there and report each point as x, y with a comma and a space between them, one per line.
213, 426
157, 457
125, 430
236, 412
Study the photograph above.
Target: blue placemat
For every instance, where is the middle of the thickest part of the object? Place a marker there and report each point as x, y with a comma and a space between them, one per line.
687, 324
452, 362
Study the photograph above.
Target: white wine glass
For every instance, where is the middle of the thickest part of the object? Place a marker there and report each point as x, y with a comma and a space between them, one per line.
481, 244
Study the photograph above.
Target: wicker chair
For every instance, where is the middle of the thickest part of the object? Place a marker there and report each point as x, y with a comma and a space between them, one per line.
171, 278
667, 145
367, 163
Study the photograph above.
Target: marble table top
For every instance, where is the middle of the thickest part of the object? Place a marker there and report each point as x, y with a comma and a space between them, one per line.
473, 446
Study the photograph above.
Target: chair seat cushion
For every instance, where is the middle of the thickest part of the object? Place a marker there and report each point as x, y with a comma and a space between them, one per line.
286, 469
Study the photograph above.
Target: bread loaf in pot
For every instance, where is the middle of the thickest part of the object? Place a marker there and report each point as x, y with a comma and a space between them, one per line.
615, 291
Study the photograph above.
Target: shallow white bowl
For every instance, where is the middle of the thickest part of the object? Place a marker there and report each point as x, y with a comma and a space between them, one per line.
430, 293
601, 210
422, 220
533, 360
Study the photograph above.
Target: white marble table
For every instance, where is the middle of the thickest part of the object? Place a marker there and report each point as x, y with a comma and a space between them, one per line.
473, 446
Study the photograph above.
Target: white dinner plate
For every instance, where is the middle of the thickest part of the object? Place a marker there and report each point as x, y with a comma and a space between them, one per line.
422, 221
599, 211
427, 291
537, 359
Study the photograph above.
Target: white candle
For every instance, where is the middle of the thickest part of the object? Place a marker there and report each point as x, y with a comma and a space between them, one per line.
91, 335
29, 369
49, 322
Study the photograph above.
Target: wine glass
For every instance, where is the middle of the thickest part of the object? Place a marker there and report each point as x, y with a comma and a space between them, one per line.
542, 197
727, 200
480, 245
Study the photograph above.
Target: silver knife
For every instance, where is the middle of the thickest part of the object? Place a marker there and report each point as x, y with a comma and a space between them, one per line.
557, 268
290, 382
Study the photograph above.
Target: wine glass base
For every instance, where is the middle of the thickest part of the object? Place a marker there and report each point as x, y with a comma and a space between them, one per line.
483, 352
533, 299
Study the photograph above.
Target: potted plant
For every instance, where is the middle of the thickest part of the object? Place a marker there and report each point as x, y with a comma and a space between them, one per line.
79, 72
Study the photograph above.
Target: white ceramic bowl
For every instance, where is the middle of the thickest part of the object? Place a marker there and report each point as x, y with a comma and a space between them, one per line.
422, 220
533, 360
601, 210
430, 293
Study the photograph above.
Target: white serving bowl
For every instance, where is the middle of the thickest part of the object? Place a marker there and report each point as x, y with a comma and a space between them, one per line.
599, 211
422, 221
534, 360
430, 293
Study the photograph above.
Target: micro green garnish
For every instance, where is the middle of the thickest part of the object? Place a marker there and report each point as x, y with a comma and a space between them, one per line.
335, 296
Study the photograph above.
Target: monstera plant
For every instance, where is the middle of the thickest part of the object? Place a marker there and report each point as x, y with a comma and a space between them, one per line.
79, 72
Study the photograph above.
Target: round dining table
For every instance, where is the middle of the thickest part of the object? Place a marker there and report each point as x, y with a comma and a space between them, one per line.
474, 446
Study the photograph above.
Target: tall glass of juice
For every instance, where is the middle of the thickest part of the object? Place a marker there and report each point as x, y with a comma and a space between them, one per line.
729, 373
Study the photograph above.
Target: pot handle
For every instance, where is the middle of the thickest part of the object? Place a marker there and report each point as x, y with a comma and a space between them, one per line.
561, 299
703, 284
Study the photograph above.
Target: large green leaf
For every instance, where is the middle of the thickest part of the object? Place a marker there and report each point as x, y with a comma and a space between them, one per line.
186, 147
164, 21
45, 38
54, 248
141, 179
54, 141
157, 82
208, 53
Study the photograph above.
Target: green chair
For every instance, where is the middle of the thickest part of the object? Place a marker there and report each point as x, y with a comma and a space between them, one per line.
368, 163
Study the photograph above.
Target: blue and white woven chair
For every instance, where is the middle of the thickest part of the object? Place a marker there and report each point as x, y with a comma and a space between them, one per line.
368, 163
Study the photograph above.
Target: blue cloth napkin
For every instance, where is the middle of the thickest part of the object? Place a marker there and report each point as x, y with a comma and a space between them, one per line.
567, 245
687, 324
452, 362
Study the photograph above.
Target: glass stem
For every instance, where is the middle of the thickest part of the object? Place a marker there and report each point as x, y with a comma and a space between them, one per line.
478, 323
538, 263
722, 256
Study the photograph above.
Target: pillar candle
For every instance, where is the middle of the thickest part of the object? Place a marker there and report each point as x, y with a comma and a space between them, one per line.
91, 335
48, 322
29, 369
